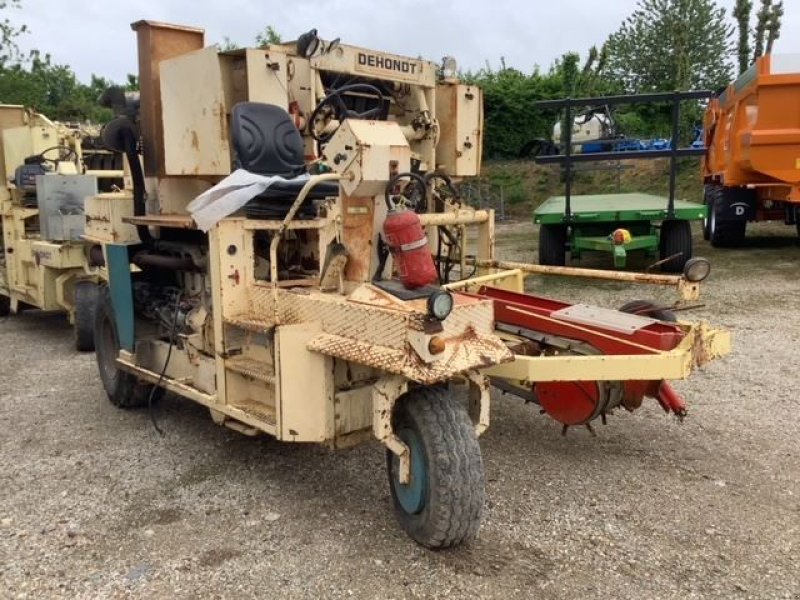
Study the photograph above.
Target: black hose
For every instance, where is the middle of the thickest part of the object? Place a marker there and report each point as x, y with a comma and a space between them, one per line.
120, 135
156, 390
174, 263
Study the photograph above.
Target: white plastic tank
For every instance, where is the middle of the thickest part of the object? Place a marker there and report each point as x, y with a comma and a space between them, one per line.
588, 127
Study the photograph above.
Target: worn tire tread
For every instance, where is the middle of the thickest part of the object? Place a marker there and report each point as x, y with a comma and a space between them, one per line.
86, 297
451, 443
676, 238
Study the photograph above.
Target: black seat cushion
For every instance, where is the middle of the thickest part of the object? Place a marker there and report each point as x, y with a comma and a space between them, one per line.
266, 140
281, 189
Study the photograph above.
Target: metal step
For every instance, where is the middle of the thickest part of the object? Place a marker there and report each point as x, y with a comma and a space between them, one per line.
251, 322
250, 367
256, 410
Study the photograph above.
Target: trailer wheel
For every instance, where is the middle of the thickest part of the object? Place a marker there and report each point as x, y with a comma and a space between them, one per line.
676, 240
648, 308
122, 388
5, 306
553, 245
442, 504
86, 295
722, 233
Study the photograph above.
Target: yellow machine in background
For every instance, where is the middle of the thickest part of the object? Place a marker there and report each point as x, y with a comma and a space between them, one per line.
48, 171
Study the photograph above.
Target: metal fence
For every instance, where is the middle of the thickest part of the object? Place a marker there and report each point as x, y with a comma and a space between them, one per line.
485, 195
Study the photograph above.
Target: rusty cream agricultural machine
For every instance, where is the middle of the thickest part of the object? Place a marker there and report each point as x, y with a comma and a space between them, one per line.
49, 170
298, 261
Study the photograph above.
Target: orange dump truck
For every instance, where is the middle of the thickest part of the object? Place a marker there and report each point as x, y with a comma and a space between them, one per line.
752, 167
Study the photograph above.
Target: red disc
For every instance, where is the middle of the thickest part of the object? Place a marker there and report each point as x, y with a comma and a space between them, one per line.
569, 402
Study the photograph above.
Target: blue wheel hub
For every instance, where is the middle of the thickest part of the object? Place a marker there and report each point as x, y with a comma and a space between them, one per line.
412, 496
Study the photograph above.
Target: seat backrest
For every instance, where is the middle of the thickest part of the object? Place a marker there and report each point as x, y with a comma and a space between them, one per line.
266, 140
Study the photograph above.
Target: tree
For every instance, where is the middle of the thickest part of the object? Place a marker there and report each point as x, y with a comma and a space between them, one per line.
9, 33
267, 37
53, 90
741, 12
774, 25
668, 45
767, 30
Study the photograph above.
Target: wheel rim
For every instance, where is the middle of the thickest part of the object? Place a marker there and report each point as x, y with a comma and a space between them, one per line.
411, 497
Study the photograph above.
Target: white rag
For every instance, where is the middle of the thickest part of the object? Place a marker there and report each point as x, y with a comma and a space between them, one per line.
231, 194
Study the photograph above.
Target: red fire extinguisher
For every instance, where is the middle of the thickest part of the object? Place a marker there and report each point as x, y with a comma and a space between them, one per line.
403, 233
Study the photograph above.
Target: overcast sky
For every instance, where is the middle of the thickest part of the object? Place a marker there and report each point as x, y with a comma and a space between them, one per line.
95, 36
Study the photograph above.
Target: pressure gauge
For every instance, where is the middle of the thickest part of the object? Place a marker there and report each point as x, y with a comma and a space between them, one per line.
440, 305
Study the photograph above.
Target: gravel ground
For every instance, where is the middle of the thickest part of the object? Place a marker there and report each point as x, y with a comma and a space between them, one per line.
93, 503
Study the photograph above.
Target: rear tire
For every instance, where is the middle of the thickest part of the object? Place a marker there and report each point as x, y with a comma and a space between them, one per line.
5, 306
86, 297
124, 390
442, 504
676, 239
722, 233
553, 245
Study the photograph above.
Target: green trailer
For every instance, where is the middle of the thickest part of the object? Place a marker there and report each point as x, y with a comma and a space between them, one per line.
594, 219
619, 223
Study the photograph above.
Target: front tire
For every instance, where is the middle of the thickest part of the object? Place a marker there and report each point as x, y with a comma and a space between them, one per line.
443, 502
124, 390
5, 306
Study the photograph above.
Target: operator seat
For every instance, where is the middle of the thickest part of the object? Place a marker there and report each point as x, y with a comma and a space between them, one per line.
266, 142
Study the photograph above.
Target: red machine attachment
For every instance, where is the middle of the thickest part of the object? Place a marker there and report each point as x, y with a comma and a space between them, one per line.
537, 326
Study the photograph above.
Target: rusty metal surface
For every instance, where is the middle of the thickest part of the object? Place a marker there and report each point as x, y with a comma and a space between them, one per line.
157, 42
709, 343
472, 352
381, 336
358, 226
372, 325
578, 272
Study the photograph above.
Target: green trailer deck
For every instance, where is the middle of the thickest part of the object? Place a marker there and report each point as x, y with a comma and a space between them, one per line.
604, 208
593, 219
